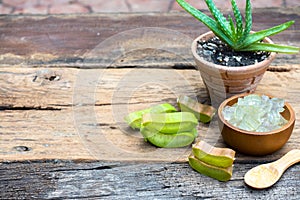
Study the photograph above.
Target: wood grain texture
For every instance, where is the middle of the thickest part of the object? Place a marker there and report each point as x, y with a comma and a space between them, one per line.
78, 115
68, 40
115, 180
63, 98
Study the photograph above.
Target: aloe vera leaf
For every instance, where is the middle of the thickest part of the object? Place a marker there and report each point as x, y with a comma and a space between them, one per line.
169, 140
204, 113
170, 122
272, 48
238, 18
154, 129
260, 35
206, 20
134, 119
219, 173
233, 30
248, 22
219, 157
219, 18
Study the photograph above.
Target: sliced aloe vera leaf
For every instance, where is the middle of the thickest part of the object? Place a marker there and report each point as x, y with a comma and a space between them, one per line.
204, 113
219, 173
134, 119
167, 140
154, 130
171, 123
219, 157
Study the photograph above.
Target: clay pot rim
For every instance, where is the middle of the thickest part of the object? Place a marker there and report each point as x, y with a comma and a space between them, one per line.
261, 64
240, 131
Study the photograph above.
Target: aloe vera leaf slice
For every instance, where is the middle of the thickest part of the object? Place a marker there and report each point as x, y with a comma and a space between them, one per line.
219, 173
170, 122
204, 113
169, 141
154, 130
134, 119
219, 157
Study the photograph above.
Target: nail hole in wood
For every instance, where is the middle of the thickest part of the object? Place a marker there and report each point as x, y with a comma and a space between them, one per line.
53, 78
22, 148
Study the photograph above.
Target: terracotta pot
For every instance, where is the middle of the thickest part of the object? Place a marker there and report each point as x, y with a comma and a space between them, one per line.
225, 81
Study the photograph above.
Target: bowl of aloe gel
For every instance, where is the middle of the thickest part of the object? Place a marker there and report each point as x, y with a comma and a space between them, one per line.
256, 124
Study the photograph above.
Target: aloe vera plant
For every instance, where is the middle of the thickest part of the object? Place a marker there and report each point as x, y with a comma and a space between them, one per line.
236, 32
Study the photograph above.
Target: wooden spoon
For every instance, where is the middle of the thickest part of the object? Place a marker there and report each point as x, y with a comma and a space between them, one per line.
266, 175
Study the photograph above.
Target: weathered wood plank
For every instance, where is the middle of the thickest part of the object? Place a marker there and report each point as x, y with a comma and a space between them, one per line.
71, 41
44, 136
68, 113
85, 119
115, 180
57, 88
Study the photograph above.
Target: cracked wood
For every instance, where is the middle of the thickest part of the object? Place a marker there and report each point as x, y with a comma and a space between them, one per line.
114, 180
72, 41
61, 109
92, 104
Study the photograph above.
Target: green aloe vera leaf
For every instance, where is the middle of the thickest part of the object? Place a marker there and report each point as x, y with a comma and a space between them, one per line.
219, 173
134, 119
219, 18
219, 157
248, 22
169, 140
232, 27
170, 122
204, 113
206, 20
238, 37
260, 35
154, 130
272, 48
238, 18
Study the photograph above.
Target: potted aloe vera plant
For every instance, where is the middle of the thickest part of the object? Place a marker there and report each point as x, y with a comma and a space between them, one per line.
231, 57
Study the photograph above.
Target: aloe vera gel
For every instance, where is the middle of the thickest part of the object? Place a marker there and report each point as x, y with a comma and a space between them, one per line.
256, 113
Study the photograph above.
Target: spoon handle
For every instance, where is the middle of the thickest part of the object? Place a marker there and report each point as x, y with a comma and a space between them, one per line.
287, 160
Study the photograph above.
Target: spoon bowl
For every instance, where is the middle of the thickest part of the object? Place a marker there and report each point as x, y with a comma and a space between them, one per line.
262, 176
266, 175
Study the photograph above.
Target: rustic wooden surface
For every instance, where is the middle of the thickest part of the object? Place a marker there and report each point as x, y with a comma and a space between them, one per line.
117, 180
66, 82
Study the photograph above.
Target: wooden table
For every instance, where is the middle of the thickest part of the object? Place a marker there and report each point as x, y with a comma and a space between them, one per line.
67, 81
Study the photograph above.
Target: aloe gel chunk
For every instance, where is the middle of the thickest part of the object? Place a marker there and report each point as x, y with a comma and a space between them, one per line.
256, 113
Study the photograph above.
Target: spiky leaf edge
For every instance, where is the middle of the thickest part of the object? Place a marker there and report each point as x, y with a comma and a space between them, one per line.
248, 24
206, 20
238, 19
222, 22
251, 40
260, 35
272, 48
